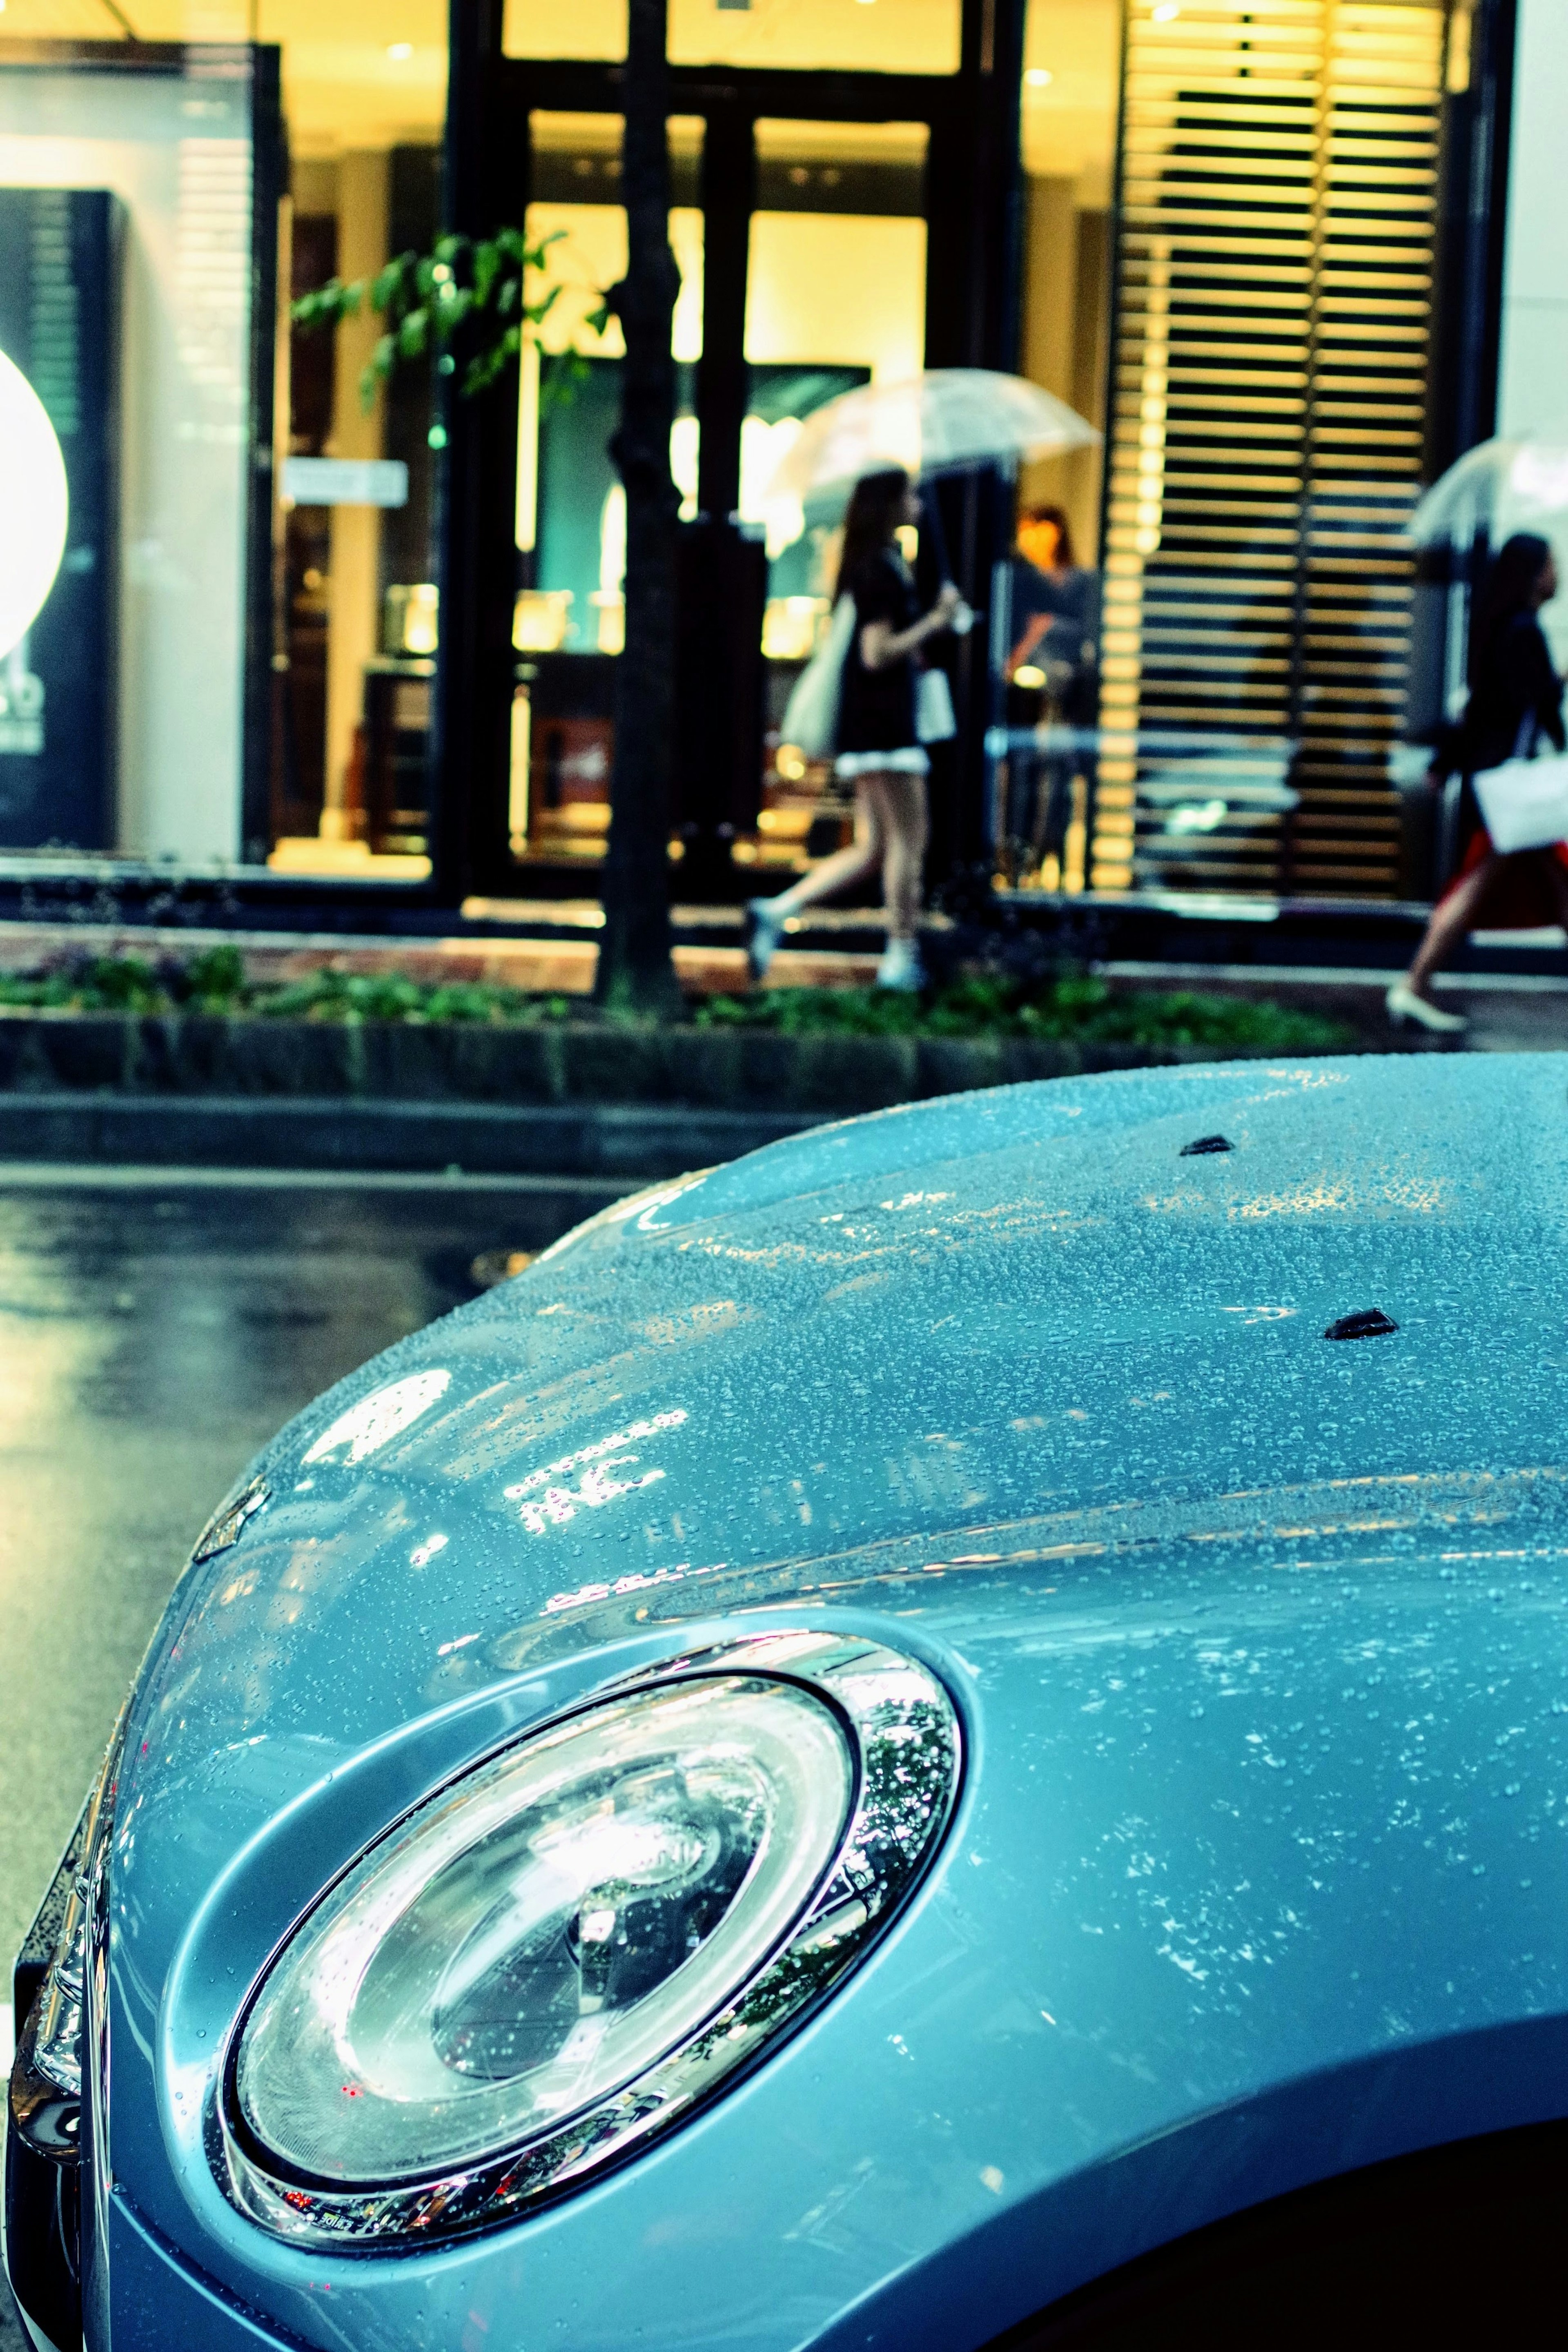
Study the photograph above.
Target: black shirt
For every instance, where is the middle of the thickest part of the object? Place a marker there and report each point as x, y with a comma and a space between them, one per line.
1070, 601
1514, 683
876, 710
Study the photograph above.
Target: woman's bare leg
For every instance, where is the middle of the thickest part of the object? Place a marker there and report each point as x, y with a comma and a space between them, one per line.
1556, 878
1452, 920
845, 866
901, 799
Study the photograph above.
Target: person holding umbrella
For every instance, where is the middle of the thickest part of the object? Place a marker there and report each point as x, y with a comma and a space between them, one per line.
879, 748
1516, 697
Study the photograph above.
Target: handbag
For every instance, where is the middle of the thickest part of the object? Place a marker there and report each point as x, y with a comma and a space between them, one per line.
934, 719
811, 714
1525, 803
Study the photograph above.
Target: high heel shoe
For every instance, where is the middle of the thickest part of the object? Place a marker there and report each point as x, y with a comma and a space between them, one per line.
1404, 1004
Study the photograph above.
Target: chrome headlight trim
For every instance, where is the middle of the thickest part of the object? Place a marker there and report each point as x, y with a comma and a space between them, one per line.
46, 2088
909, 1753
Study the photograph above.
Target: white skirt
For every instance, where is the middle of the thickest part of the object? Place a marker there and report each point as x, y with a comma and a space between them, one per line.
911, 760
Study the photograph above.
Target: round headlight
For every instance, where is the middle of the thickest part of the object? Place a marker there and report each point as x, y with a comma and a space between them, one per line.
544, 1963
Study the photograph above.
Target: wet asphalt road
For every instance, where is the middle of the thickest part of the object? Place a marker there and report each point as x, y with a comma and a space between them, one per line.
154, 1329
152, 1334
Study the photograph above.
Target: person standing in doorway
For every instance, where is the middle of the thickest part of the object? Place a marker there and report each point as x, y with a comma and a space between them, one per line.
1516, 697
879, 748
1055, 659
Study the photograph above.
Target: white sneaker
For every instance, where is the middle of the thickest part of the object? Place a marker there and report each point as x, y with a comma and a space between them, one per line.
764, 925
1404, 1004
901, 967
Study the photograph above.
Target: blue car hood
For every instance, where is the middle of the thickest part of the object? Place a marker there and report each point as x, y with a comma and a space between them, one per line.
1258, 1634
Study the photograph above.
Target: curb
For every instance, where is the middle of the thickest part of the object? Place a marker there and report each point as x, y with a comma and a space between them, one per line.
626, 1142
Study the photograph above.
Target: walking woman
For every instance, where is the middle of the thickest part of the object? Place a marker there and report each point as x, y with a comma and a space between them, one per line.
1516, 697
879, 748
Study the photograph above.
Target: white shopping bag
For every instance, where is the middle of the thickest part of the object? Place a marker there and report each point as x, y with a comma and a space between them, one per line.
934, 718
1525, 802
812, 713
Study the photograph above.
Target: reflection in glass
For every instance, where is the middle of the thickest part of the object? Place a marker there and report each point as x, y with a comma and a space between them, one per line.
569, 619
836, 298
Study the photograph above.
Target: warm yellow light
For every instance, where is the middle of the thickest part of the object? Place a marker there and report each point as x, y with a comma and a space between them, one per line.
1038, 78
1029, 676
400, 52
1166, 11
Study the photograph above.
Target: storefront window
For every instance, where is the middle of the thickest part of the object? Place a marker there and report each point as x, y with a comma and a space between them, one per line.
364, 100
848, 36
155, 181
1277, 266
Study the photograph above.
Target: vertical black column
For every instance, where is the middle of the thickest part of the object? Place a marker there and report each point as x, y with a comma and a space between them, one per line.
974, 207
262, 710
485, 186
721, 576
728, 191
1474, 223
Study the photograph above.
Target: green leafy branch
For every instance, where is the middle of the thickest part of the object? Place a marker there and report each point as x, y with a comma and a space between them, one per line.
470, 291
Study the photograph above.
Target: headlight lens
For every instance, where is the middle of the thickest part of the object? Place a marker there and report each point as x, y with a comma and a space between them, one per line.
544, 1932
567, 1949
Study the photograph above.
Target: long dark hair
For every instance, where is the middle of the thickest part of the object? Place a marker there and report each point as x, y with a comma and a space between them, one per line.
875, 510
1507, 592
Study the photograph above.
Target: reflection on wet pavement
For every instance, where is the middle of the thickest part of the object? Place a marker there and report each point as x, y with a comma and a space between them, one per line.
151, 1339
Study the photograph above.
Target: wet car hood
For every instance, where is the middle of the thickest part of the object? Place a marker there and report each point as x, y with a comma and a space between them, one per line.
1024, 1303
1020, 1376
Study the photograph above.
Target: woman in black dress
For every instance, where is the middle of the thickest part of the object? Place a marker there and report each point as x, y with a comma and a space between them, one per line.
1516, 697
879, 748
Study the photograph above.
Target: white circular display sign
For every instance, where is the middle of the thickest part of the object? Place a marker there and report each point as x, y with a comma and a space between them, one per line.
35, 505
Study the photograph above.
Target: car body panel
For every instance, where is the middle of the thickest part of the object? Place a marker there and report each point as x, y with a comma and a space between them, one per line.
1259, 1639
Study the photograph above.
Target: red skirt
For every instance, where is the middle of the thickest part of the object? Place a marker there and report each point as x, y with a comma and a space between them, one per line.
1519, 900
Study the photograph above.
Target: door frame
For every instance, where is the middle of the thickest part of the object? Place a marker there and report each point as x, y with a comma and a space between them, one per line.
973, 202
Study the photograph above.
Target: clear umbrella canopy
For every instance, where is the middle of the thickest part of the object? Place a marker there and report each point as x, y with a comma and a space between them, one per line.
938, 423
1500, 486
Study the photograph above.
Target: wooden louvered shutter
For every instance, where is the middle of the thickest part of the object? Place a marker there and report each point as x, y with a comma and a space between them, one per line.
1274, 308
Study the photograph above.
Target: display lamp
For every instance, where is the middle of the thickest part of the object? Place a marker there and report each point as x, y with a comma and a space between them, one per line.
35, 505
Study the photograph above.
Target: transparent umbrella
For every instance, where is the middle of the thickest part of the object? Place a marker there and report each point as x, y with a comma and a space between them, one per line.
1511, 484
939, 423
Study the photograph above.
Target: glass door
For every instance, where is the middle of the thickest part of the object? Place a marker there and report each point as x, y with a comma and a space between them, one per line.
836, 298
568, 621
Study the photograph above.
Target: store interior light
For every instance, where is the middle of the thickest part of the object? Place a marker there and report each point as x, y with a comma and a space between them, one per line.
35, 505
1038, 78
400, 52
1166, 12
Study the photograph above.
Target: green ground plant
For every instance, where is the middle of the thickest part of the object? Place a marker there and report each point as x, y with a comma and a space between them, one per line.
1080, 1008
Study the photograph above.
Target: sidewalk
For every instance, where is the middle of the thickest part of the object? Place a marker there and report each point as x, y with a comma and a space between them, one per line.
1508, 1013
